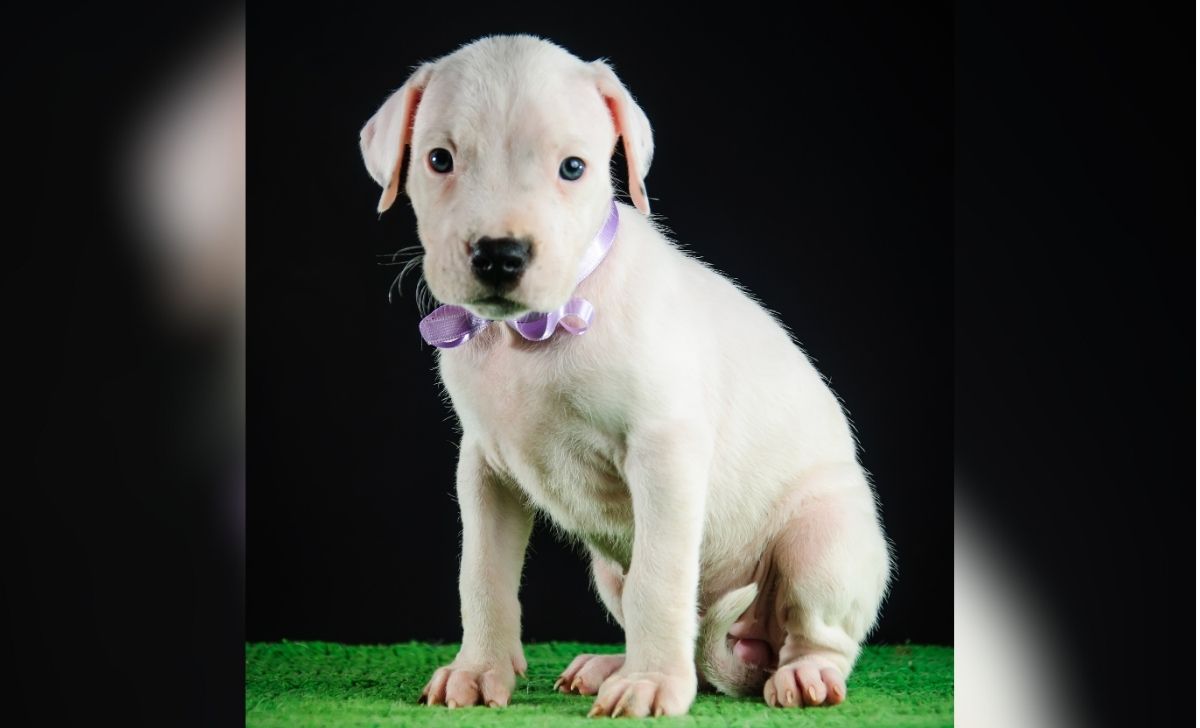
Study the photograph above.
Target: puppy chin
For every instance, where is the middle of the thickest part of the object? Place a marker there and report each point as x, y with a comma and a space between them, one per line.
514, 304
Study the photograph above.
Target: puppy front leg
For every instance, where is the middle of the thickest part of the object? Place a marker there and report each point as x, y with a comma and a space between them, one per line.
496, 527
667, 473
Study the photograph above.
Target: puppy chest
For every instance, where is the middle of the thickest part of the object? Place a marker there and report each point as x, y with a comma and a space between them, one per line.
570, 471
556, 430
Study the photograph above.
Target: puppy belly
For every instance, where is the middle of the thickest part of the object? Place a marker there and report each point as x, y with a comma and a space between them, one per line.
754, 652
756, 637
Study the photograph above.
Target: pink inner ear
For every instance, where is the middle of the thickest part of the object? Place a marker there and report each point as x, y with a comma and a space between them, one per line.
414, 99
417, 93
389, 194
637, 190
612, 110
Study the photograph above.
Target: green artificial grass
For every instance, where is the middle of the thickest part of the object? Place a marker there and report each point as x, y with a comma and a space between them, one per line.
325, 684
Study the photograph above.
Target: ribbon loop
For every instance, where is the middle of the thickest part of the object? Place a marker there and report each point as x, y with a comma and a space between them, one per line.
577, 316
450, 326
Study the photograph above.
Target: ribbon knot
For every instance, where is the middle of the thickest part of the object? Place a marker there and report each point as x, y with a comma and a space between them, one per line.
451, 326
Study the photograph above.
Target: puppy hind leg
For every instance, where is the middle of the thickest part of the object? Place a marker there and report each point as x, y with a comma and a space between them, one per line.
587, 672
609, 579
833, 565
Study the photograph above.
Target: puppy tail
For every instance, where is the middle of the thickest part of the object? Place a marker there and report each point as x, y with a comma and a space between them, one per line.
715, 660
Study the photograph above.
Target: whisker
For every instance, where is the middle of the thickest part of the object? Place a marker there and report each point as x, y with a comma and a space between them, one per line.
410, 250
398, 282
411, 257
424, 297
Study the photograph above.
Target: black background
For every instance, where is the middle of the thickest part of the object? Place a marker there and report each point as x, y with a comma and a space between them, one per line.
808, 159
1074, 308
1073, 334
121, 552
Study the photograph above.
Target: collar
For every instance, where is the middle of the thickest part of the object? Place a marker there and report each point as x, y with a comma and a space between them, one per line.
452, 326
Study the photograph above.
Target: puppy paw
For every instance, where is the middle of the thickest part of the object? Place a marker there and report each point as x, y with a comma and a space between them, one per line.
642, 694
587, 673
808, 681
459, 687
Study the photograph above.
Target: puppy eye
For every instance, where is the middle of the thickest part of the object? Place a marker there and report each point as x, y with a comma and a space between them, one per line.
571, 168
441, 161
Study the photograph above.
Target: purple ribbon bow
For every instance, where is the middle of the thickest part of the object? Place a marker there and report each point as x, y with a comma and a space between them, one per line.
451, 326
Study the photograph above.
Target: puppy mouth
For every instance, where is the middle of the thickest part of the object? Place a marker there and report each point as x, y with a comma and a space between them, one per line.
497, 307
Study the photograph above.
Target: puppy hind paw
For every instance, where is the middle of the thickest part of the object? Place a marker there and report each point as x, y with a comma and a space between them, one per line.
587, 673
807, 681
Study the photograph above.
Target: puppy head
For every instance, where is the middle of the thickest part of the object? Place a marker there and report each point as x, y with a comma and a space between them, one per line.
509, 141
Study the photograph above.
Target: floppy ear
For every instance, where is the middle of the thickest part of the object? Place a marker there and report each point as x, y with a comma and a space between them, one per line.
633, 127
386, 135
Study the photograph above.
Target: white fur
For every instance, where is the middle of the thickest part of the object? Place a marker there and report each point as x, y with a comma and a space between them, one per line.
685, 438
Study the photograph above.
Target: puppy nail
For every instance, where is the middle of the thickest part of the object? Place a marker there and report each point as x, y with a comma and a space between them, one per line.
812, 695
789, 697
575, 684
558, 683
493, 704
451, 704
595, 711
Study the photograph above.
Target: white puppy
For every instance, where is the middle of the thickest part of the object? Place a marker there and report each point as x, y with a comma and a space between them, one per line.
685, 439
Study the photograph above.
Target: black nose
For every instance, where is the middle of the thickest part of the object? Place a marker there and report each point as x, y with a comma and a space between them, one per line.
499, 262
